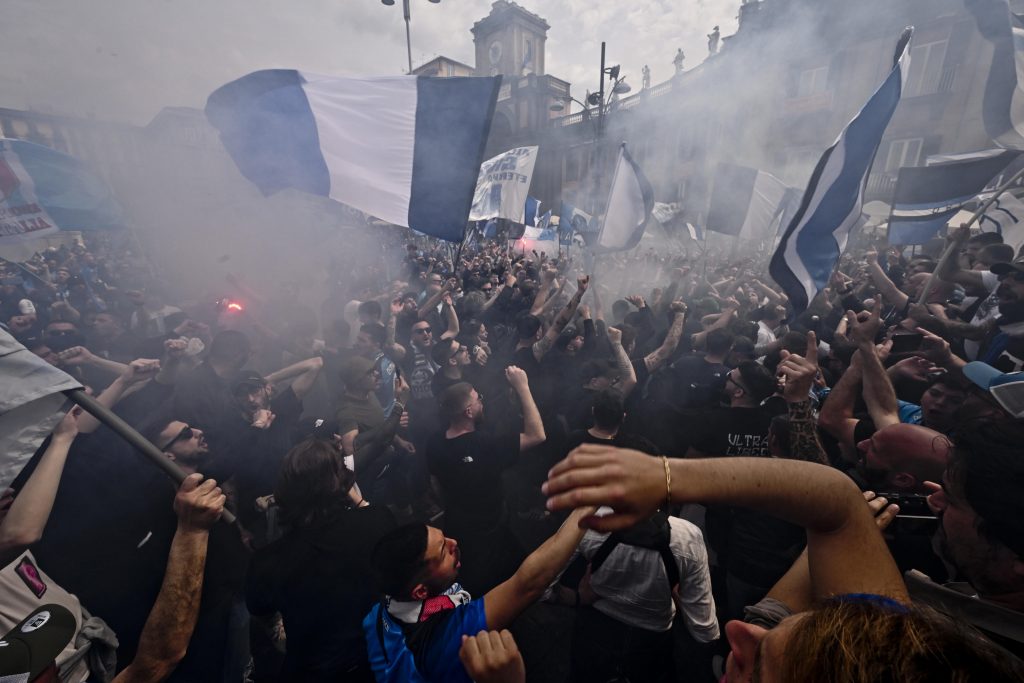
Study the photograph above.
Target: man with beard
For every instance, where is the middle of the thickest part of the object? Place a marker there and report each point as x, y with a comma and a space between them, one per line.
981, 534
468, 465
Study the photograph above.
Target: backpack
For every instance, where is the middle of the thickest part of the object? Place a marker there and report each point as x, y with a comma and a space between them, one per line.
390, 657
652, 533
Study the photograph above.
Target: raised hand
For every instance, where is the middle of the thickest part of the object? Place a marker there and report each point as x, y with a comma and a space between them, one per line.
798, 371
199, 503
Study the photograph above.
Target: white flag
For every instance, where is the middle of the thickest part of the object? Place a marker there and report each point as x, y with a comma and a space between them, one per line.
503, 185
31, 404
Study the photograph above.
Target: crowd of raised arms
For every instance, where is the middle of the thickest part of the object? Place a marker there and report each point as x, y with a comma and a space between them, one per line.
499, 465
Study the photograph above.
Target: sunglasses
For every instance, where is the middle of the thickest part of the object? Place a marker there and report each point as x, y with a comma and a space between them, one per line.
185, 434
423, 330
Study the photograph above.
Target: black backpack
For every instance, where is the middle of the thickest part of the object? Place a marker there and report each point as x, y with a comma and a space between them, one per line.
653, 533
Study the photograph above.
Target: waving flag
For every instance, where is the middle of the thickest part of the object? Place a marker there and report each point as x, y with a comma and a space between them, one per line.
831, 205
1006, 217
1003, 102
926, 197
31, 404
572, 220
43, 191
404, 149
745, 201
630, 202
502, 187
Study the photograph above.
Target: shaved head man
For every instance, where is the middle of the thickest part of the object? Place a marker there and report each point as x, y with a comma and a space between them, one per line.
902, 457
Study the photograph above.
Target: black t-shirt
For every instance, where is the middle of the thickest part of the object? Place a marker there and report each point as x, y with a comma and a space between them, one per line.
621, 440
469, 469
698, 383
731, 432
320, 580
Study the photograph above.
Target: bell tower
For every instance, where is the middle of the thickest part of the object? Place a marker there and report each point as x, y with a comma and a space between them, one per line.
510, 41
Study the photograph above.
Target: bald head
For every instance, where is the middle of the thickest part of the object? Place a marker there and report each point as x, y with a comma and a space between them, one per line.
908, 455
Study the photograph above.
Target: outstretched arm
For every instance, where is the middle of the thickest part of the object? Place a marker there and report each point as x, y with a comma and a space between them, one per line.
548, 340
846, 552
533, 429
26, 518
657, 358
305, 372
506, 601
169, 627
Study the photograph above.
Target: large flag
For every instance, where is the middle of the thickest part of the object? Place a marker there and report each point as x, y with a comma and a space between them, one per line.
1003, 102
745, 201
43, 191
404, 149
1006, 217
926, 197
31, 404
503, 185
630, 202
831, 206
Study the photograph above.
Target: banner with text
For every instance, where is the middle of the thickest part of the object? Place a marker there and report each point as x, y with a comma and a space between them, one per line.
503, 185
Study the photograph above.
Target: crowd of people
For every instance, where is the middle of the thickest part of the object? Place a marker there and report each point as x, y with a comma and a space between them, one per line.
501, 465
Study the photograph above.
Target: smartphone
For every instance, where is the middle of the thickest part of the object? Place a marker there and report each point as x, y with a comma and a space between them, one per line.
906, 343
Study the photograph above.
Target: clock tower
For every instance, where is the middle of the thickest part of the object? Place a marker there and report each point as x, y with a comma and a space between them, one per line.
510, 41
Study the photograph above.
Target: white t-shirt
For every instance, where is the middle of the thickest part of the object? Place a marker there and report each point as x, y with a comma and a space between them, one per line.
633, 587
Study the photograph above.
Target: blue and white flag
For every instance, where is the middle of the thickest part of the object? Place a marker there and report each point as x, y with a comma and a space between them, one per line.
503, 186
547, 231
531, 214
831, 206
491, 229
1003, 102
630, 202
572, 220
404, 149
926, 197
43, 191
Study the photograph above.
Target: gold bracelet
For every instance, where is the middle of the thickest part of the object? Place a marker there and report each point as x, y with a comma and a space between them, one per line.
668, 483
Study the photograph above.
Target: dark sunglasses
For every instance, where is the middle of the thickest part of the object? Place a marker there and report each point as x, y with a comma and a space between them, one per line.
185, 434
423, 330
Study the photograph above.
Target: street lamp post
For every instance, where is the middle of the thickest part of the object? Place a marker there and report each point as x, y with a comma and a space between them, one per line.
408, 16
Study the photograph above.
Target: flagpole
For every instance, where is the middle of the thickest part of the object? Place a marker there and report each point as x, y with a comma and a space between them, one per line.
136, 440
948, 253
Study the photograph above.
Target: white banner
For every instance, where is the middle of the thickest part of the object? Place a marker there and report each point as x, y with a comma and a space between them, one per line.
503, 185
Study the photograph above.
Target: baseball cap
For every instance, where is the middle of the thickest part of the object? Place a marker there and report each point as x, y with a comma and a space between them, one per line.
1007, 268
247, 378
31, 647
1006, 387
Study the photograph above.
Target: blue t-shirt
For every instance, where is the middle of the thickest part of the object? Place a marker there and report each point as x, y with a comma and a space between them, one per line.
910, 413
440, 661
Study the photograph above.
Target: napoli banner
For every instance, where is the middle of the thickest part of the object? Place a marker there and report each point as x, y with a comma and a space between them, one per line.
43, 191
503, 185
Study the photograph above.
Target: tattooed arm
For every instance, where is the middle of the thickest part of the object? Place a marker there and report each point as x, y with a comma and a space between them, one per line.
548, 340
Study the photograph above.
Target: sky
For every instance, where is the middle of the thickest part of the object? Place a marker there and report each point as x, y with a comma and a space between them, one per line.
124, 60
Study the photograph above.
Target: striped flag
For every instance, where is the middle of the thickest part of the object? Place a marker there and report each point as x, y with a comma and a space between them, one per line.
404, 149
927, 197
831, 206
1003, 102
